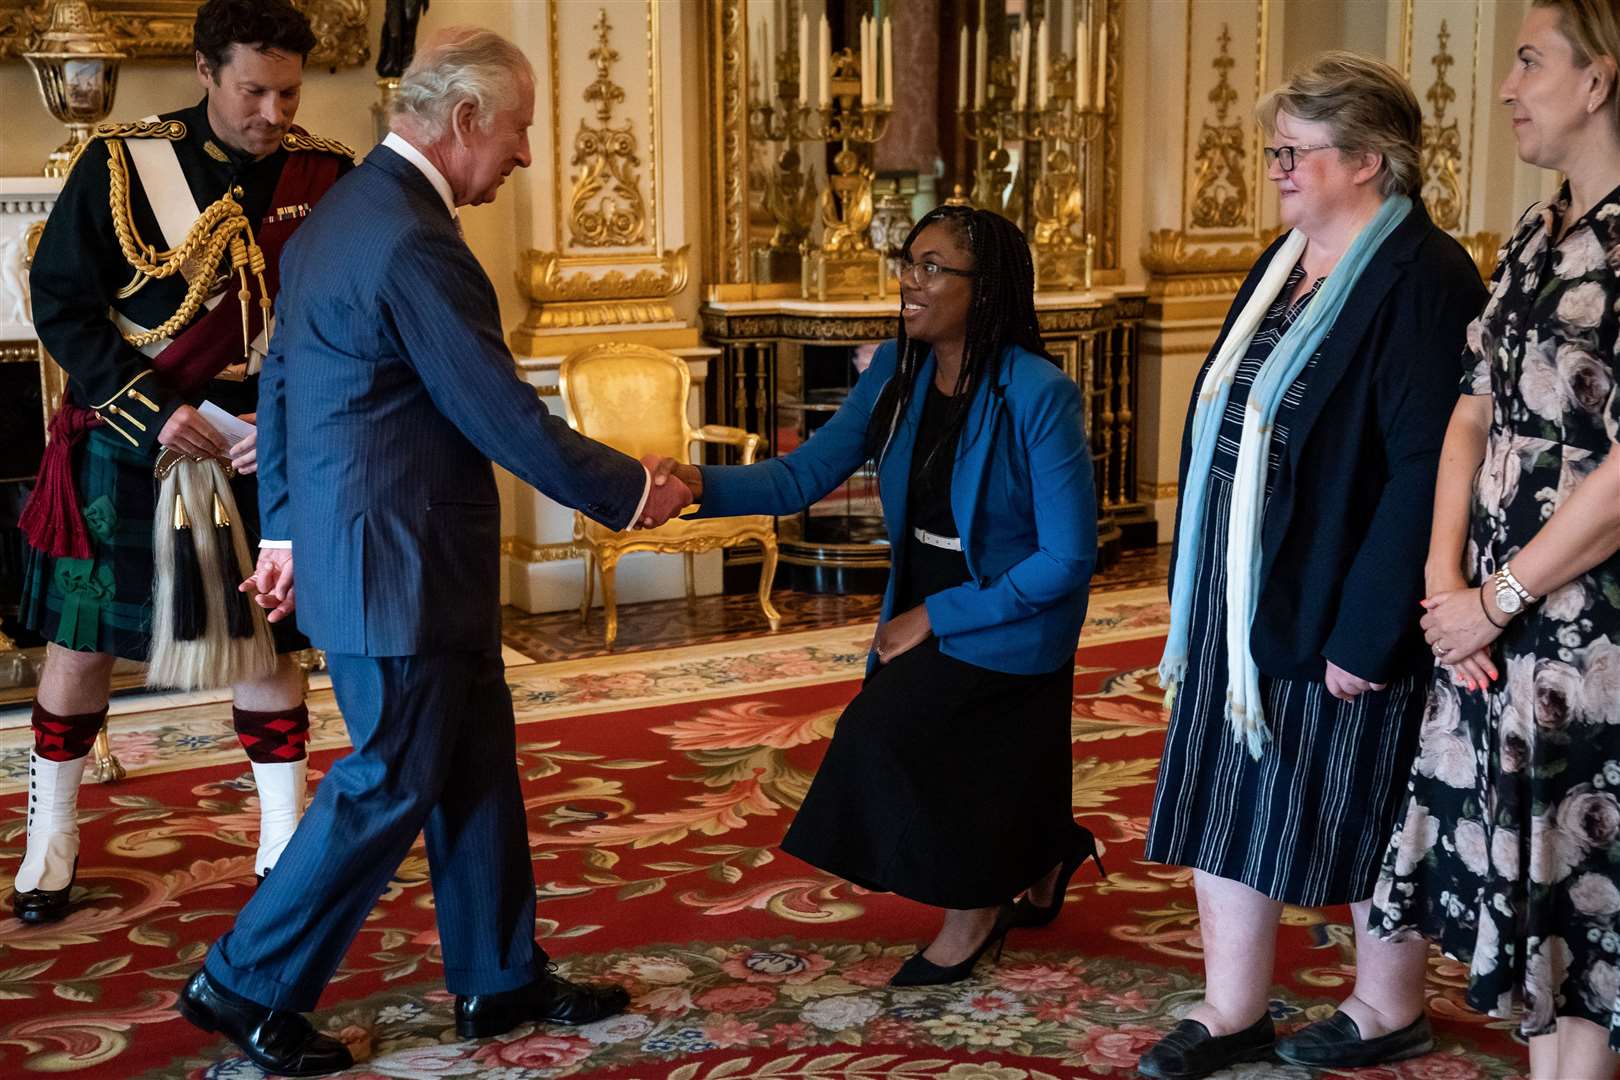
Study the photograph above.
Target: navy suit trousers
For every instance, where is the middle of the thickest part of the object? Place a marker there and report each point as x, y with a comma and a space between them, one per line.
434, 752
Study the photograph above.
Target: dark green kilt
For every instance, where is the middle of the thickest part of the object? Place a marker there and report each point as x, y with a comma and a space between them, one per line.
104, 603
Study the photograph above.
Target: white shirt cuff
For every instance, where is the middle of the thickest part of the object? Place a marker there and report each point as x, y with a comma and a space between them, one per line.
646, 491
275, 545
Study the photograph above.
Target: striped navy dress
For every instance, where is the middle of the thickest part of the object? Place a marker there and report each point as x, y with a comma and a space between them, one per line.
1306, 824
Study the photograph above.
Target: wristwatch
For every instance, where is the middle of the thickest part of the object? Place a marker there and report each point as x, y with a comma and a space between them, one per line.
1511, 596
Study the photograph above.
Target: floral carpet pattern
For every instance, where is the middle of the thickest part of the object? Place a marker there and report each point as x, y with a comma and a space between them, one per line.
658, 787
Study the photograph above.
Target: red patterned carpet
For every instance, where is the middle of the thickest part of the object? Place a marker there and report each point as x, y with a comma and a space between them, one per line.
658, 786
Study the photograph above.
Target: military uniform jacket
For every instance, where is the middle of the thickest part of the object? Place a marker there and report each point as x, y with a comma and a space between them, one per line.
80, 268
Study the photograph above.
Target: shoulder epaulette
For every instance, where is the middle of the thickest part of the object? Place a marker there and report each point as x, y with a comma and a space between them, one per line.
141, 129
303, 140
132, 129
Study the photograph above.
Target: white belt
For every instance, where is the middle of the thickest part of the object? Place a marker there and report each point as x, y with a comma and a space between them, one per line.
949, 543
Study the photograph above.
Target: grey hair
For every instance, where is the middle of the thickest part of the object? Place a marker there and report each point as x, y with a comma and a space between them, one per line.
458, 63
1367, 105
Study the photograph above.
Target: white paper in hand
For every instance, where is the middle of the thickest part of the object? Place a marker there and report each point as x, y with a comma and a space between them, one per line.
232, 429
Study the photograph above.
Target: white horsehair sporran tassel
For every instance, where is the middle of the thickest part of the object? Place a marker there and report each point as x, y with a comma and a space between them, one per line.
201, 636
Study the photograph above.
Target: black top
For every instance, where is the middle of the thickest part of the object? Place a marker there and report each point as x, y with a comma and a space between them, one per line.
929, 569
79, 267
1346, 531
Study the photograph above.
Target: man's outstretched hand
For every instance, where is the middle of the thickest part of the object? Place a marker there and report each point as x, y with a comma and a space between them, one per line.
272, 583
669, 494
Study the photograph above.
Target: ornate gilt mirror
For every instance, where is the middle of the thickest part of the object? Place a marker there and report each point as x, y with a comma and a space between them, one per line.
1011, 104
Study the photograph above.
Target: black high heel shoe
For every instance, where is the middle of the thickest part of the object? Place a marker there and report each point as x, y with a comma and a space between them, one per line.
1028, 915
920, 971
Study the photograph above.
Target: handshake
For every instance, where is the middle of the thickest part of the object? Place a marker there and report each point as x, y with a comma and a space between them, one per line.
674, 488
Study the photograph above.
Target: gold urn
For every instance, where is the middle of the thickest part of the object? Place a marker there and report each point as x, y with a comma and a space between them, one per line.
76, 64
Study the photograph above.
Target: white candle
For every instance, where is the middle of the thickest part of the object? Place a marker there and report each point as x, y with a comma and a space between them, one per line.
869, 58
860, 57
1022, 44
770, 63
962, 72
804, 58
825, 62
888, 61
1040, 66
1082, 67
980, 67
1102, 62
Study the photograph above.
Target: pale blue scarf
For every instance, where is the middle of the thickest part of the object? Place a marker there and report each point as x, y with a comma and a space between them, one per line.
1244, 709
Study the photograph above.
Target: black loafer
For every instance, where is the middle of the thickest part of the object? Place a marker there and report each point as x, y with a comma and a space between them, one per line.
45, 905
550, 999
1336, 1042
277, 1041
1189, 1051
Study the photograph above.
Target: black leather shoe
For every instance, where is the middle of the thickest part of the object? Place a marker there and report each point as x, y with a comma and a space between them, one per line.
277, 1041
550, 999
45, 905
1190, 1051
1336, 1042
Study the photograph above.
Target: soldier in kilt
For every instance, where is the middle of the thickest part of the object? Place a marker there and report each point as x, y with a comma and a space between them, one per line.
144, 348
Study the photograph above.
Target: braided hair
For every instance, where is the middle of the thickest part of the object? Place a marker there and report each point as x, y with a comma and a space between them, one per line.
1001, 313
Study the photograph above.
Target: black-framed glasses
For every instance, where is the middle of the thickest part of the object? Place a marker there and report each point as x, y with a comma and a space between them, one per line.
1285, 157
928, 271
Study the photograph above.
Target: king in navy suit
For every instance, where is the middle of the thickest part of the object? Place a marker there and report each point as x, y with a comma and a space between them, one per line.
386, 396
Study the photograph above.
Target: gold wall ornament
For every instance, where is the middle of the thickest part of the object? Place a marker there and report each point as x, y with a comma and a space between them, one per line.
585, 298
606, 208
1170, 254
1484, 248
1220, 186
1441, 160
75, 63
161, 29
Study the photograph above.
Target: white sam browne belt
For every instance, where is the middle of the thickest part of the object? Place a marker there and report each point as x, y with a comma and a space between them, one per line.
949, 543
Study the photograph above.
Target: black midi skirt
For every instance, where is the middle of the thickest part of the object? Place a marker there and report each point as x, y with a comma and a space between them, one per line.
945, 782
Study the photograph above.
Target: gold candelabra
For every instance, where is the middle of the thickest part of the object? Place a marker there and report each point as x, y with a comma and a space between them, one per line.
855, 93
790, 188
1066, 114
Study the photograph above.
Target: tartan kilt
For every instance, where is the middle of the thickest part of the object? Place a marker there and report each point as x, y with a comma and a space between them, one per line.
104, 603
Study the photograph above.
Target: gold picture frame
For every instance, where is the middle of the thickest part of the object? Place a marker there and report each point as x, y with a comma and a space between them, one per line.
161, 29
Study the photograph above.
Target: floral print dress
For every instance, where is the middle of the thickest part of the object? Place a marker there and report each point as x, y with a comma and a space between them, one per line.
1508, 854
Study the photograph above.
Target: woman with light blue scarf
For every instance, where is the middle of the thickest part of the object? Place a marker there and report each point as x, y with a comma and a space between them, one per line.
1295, 667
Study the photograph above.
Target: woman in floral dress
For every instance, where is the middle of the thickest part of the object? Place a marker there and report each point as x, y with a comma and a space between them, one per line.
1509, 852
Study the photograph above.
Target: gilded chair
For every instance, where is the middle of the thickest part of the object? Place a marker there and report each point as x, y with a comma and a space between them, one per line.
633, 398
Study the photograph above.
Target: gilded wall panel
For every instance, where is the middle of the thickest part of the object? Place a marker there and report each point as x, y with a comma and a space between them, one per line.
609, 244
1227, 49
1440, 54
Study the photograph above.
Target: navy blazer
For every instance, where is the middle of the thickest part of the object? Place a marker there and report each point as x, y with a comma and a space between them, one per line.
387, 392
1346, 531
1021, 494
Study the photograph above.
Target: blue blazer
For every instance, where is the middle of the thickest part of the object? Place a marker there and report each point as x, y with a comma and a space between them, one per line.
1021, 494
387, 392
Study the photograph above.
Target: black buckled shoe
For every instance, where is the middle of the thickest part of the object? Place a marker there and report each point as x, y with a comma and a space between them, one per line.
1189, 1051
550, 999
1336, 1042
277, 1041
45, 905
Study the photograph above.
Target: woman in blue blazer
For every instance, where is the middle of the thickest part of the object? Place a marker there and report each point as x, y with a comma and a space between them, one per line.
948, 779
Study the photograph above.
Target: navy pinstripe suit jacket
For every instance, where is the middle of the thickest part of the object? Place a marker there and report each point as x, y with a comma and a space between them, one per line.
387, 392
